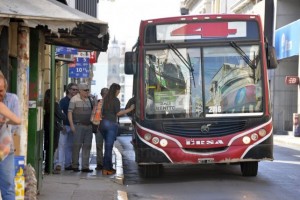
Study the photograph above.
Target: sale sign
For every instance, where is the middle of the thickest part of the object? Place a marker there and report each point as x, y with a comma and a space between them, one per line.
81, 69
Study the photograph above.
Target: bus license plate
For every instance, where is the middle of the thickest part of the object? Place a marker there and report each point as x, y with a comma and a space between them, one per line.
205, 160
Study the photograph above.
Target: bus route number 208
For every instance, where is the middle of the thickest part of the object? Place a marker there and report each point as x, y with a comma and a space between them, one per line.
214, 109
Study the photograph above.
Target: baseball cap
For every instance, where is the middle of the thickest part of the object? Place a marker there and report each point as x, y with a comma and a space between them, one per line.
83, 86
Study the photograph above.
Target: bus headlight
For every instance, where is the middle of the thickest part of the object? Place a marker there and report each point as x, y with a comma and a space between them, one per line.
262, 132
246, 140
155, 140
254, 136
147, 136
163, 143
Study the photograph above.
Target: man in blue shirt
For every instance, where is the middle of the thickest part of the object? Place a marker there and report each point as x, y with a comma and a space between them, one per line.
66, 136
7, 169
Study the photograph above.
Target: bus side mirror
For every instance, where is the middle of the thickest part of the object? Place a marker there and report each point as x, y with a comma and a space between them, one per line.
271, 58
130, 63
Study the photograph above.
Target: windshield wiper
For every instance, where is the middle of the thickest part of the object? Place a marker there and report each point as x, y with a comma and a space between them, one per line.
243, 54
186, 62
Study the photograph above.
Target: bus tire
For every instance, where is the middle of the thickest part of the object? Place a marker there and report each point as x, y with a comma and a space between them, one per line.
151, 171
249, 168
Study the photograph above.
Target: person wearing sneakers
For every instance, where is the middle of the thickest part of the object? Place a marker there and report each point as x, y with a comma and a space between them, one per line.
109, 126
79, 113
66, 136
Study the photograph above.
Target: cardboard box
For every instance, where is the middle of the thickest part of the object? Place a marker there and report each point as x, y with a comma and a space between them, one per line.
16, 139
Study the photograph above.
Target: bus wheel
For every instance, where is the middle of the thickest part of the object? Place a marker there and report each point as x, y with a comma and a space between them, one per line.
249, 168
151, 171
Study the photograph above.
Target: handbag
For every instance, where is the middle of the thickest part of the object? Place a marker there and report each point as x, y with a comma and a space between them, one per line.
95, 128
5, 141
59, 126
96, 115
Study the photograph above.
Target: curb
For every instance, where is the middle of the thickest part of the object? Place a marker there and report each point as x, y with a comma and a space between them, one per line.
119, 177
122, 195
286, 141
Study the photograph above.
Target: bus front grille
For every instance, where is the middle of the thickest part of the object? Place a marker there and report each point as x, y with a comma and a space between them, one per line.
210, 150
204, 129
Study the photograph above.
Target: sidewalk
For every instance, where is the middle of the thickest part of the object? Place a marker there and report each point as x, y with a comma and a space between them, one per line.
288, 140
71, 185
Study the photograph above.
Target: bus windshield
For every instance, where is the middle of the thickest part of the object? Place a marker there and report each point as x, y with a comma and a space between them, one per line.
203, 82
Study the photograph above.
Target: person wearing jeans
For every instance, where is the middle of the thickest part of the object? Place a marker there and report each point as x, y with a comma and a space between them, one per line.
10, 112
109, 127
66, 136
109, 131
65, 148
7, 175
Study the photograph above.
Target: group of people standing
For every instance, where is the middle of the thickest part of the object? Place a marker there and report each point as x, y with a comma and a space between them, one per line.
76, 134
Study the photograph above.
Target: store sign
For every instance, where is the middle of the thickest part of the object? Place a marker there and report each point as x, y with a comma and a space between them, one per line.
287, 40
93, 58
292, 80
80, 69
65, 51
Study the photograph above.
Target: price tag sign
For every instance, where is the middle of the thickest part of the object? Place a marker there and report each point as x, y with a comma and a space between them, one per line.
292, 80
80, 69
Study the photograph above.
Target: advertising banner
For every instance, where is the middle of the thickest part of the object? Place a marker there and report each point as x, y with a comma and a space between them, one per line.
65, 50
80, 69
287, 40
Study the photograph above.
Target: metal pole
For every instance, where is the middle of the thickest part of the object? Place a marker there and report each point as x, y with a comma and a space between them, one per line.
52, 101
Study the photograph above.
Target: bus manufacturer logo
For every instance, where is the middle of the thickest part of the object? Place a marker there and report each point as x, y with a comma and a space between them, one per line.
205, 128
192, 142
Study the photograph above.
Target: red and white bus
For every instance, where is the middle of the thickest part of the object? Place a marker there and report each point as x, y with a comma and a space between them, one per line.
202, 94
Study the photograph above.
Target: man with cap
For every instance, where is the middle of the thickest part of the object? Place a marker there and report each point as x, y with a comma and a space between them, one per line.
79, 113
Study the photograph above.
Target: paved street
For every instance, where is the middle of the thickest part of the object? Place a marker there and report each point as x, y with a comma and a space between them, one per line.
78, 186
94, 186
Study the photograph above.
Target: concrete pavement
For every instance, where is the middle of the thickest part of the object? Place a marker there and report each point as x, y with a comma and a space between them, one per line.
85, 186
79, 186
288, 140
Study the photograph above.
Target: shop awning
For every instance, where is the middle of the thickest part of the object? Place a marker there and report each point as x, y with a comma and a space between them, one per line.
62, 25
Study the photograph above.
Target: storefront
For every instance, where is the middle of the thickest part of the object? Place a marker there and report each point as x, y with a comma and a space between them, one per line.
286, 88
28, 27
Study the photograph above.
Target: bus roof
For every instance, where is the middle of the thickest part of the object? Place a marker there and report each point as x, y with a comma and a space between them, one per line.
202, 17
196, 28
